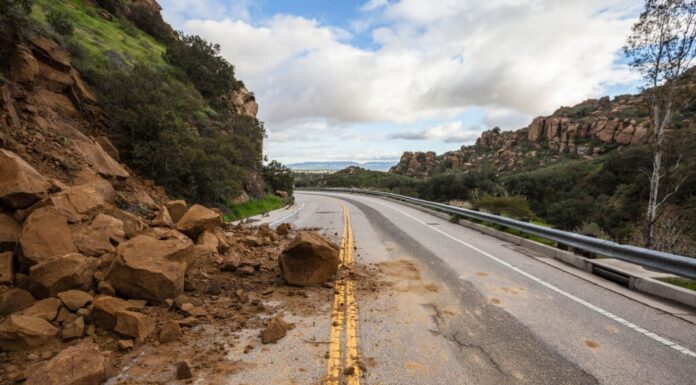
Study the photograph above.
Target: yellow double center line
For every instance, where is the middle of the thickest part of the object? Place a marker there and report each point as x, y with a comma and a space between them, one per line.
344, 316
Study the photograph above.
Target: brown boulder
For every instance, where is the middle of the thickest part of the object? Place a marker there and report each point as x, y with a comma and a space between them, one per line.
10, 230
18, 332
81, 364
23, 65
170, 332
45, 235
163, 219
20, 184
209, 241
104, 311
15, 300
86, 199
134, 325
6, 267
73, 329
176, 209
183, 370
75, 299
71, 271
309, 259
150, 269
283, 229
230, 261
197, 220
275, 330
46, 308
109, 147
100, 236
132, 224
100, 161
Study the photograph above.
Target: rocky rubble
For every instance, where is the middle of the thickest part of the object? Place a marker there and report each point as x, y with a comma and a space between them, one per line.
87, 282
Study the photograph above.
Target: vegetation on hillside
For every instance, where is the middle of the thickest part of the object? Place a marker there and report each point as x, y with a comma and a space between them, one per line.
236, 211
165, 94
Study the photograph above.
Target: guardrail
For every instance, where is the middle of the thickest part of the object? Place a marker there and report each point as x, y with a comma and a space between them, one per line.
652, 259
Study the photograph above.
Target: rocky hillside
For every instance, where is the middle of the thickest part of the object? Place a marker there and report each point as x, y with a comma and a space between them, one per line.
587, 130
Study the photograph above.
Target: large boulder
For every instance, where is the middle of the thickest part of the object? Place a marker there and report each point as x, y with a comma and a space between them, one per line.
18, 332
46, 308
197, 220
81, 364
133, 324
45, 235
176, 209
20, 184
151, 269
85, 198
100, 236
15, 299
10, 230
75, 299
70, 271
309, 259
132, 224
105, 309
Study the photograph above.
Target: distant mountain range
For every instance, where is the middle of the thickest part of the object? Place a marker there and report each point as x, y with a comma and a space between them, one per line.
335, 166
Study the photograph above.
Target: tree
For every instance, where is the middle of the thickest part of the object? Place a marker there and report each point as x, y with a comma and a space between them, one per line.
661, 48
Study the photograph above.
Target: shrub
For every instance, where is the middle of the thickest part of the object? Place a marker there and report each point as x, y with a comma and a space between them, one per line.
209, 72
512, 206
13, 26
278, 177
113, 6
150, 22
151, 113
60, 22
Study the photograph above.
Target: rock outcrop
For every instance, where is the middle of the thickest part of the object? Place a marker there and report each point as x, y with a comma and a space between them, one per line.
586, 130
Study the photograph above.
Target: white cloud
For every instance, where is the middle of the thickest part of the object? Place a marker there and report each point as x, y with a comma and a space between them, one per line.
515, 59
453, 132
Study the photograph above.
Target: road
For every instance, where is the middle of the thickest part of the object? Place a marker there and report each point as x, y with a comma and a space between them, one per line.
461, 307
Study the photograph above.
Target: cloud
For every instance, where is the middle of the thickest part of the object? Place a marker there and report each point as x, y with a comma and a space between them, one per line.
515, 59
452, 132
177, 12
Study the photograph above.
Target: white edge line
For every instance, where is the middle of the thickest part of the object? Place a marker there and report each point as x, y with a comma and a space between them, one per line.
288, 216
540, 281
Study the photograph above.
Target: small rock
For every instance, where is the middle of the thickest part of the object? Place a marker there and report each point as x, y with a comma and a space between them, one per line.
246, 270
125, 345
275, 330
106, 288
6, 266
75, 329
283, 229
176, 209
183, 370
133, 324
14, 300
75, 299
170, 332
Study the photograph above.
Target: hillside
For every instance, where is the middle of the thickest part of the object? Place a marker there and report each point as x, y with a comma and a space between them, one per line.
117, 75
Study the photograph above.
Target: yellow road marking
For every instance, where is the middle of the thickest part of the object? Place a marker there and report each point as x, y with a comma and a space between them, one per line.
344, 313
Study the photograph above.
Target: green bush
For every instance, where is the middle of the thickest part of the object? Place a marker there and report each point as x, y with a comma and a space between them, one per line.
151, 113
113, 6
14, 21
209, 72
511, 206
151, 22
278, 177
60, 22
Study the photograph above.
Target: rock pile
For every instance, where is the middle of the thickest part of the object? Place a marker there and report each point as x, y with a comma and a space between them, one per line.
76, 266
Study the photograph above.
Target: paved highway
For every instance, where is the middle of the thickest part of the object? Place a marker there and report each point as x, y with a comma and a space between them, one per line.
467, 308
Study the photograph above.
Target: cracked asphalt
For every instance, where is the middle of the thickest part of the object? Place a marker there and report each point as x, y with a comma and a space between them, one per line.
465, 318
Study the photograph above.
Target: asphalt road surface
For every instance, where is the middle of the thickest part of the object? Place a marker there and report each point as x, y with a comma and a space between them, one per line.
462, 307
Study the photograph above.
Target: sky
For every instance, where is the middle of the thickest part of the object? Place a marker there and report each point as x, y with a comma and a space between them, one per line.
368, 80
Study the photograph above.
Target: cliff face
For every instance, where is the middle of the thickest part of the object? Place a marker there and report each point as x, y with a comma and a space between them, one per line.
586, 130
